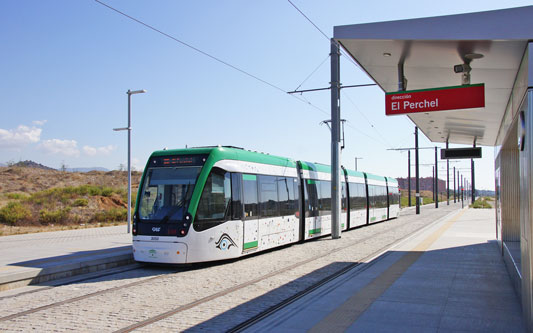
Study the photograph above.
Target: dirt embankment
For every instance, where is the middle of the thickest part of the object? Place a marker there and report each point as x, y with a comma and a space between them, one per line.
44, 198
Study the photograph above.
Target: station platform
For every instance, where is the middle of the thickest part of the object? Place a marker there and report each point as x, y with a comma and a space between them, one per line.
449, 277
49, 256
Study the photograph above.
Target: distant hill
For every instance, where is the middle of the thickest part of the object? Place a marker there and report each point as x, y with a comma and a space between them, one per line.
32, 164
87, 169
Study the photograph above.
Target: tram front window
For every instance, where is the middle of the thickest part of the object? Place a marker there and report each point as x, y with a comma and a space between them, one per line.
166, 193
215, 204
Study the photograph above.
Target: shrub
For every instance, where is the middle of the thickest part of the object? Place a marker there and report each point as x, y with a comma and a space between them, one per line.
114, 214
80, 202
94, 190
107, 191
14, 212
16, 196
82, 190
481, 203
57, 216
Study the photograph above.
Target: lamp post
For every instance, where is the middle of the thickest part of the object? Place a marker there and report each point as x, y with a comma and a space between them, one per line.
129, 92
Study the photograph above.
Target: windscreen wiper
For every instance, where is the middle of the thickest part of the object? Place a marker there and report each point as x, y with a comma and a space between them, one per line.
175, 208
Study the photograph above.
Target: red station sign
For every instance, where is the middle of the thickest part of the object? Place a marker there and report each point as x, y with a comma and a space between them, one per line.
436, 99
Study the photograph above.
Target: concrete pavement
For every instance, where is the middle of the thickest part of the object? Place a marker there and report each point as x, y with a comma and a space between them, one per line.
41, 257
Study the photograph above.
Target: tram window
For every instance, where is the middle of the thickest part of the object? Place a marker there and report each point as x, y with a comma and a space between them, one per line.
214, 205
394, 196
236, 202
296, 192
268, 196
286, 194
357, 196
250, 196
381, 196
325, 198
371, 196
166, 193
311, 197
343, 197
378, 197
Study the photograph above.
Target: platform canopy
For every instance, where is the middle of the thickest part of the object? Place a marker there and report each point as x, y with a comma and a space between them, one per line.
430, 47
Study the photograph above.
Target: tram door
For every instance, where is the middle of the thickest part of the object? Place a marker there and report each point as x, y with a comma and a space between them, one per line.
251, 213
312, 206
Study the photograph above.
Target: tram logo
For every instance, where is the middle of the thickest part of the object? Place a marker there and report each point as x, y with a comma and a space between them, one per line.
225, 242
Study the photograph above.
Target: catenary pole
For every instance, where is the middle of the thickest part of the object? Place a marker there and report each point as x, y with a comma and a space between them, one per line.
436, 181
129, 160
473, 178
447, 178
417, 173
409, 177
335, 140
454, 189
462, 193
433, 181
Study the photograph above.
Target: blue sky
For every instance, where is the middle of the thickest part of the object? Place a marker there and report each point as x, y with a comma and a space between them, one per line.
66, 67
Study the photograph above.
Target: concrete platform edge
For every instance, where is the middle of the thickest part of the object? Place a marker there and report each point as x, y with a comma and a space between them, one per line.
24, 276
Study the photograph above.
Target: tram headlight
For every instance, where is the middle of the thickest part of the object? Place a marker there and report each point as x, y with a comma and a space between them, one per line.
134, 226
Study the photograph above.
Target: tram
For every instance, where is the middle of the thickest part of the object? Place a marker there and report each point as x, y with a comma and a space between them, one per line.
216, 203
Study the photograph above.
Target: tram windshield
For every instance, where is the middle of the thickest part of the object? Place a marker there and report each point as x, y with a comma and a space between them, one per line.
166, 193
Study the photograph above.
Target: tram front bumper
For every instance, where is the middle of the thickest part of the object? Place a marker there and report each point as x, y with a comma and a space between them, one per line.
160, 252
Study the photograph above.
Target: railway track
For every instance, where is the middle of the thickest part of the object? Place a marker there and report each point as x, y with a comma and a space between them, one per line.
225, 292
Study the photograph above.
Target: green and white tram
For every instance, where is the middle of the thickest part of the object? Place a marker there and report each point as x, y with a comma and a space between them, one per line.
216, 203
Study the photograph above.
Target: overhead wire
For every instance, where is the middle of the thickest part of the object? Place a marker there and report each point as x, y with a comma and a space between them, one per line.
308, 19
206, 54
348, 123
367, 120
387, 144
313, 72
343, 52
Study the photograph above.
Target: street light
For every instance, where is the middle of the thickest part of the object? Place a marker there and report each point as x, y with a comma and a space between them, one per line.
129, 92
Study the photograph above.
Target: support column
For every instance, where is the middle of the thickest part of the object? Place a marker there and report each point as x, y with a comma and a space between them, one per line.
335, 140
458, 187
473, 179
462, 193
436, 180
409, 177
417, 172
454, 188
447, 178
433, 182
